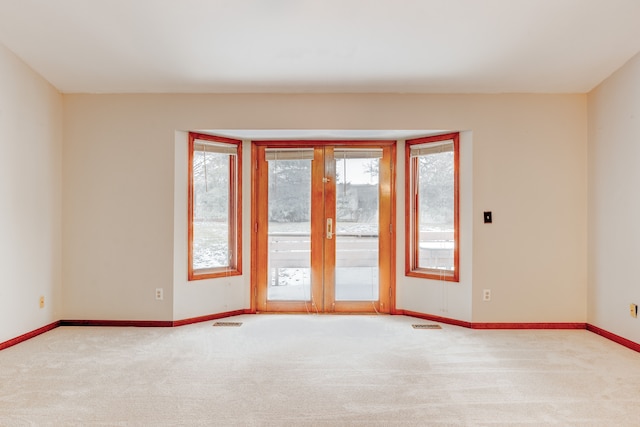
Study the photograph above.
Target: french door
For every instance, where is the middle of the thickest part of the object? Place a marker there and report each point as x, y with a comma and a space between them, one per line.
322, 233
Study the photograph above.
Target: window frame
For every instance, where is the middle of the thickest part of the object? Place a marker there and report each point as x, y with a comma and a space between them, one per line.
234, 268
412, 236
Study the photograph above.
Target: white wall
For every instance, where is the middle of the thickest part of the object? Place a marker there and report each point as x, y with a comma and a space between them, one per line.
614, 205
122, 206
30, 198
117, 208
530, 170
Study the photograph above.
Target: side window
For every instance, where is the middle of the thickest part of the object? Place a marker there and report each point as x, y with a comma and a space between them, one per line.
432, 207
215, 214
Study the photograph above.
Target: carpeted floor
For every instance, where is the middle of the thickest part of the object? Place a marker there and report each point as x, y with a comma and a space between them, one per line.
306, 370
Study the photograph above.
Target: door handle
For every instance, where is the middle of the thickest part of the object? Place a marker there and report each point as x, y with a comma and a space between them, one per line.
329, 228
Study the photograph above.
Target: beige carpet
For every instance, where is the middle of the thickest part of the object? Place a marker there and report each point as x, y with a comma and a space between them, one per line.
303, 370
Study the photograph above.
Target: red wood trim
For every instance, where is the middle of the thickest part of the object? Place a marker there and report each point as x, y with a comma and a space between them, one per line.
534, 325
146, 323
433, 318
496, 325
192, 137
613, 337
409, 222
325, 200
433, 274
137, 323
154, 323
394, 236
238, 213
312, 143
456, 207
253, 229
207, 137
210, 317
29, 335
259, 228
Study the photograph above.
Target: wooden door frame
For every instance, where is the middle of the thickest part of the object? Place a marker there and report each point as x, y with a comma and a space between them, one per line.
387, 261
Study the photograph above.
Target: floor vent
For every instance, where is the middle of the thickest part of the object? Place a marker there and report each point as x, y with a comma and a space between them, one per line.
425, 326
227, 324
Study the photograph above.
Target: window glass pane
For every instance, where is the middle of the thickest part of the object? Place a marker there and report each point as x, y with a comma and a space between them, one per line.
436, 215
212, 210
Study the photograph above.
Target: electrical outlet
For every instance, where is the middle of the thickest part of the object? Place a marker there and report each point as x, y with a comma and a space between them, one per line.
159, 294
486, 295
633, 309
42, 302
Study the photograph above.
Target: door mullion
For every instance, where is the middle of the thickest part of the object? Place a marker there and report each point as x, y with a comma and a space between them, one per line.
329, 209
260, 219
317, 230
386, 237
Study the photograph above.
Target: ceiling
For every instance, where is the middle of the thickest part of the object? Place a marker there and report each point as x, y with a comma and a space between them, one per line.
313, 46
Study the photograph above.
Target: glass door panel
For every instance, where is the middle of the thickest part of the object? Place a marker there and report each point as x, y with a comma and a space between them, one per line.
357, 224
289, 225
